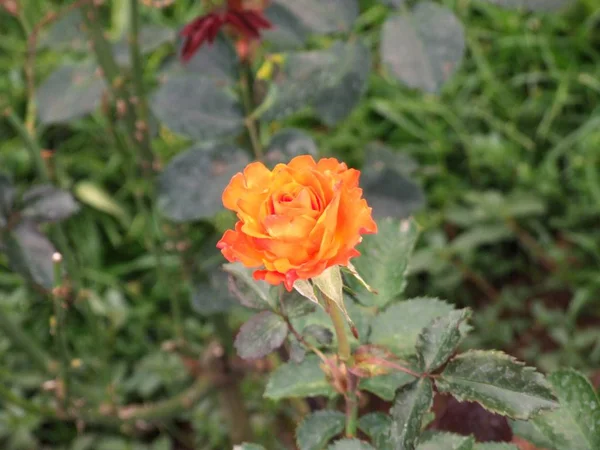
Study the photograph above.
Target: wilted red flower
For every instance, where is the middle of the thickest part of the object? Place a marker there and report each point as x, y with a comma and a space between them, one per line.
247, 22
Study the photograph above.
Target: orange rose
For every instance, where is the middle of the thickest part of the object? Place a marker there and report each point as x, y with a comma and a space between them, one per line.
296, 220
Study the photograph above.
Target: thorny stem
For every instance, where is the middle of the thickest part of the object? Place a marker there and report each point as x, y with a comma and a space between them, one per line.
110, 69
60, 327
247, 98
142, 133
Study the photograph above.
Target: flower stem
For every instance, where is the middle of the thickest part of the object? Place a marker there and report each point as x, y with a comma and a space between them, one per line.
60, 325
340, 330
142, 130
351, 412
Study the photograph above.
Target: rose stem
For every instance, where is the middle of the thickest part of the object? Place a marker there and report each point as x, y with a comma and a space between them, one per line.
340, 330
344, 355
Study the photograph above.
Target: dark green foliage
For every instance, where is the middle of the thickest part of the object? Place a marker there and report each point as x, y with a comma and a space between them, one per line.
410, 405
318, 429
498, 382
69, 93
260, 335
190, 187
424, 48
298, 380
176, 104
438, 341
384, 262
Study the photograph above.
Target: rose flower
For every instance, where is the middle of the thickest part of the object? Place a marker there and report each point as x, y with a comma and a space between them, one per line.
296, 220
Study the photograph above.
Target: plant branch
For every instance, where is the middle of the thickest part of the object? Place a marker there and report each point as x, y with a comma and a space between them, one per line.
110, 69
60, 324
171, 407
351, 411
142, 128
246, 81
295, 332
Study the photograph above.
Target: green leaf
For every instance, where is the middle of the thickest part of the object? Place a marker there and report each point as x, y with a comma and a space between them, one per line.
386, 183
532, 5
399, 326
192, 106
498, 382
30, 254
7, 198
385, 386
410, 405
247, 446
579, 400
322, 17
260, 335
294, 304
150, 38
287, 32
298, 380
331, 80
574, 425
376, 425
212, 296
322, 335
45, 203
530, 431
95, 196
191, 186
330, 283
438, 341
480, 235
423, 48
255, 294
70, 92
317, 429
287, 144
494, 446
383, 262
217, 62
350, 444
66, 34
342, 92
446, 441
